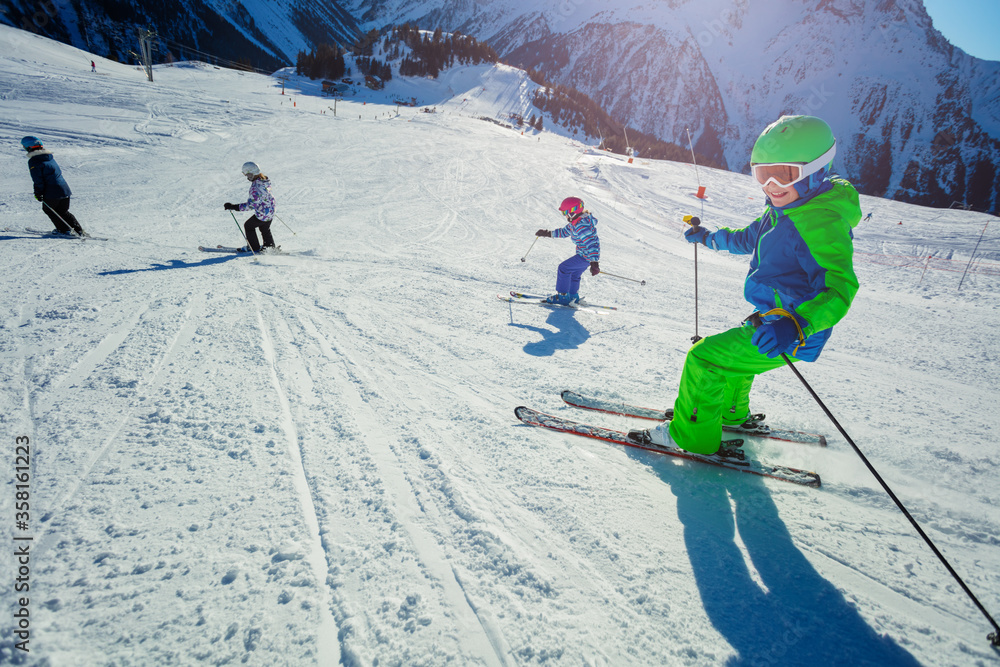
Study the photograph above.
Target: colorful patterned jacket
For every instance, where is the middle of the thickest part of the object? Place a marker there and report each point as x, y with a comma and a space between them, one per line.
260, 200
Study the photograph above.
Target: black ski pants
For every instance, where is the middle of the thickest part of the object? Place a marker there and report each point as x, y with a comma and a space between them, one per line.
58, 212
251, 226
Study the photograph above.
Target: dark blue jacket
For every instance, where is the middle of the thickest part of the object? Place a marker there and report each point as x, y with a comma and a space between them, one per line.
47, 176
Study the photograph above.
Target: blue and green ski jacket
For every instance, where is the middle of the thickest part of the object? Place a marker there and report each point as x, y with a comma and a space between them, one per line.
802, 260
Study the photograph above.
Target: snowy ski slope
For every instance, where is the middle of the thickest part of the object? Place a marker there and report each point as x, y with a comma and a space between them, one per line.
313, 459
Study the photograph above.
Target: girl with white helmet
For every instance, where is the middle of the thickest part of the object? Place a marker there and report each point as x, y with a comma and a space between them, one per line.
262, 203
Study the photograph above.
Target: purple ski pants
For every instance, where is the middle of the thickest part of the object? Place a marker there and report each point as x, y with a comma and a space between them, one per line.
568, 280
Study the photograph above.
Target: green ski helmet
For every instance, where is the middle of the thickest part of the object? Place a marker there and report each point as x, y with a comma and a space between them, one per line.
793, 139
794, 149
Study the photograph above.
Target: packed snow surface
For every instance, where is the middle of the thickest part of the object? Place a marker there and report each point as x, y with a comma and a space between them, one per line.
313, 458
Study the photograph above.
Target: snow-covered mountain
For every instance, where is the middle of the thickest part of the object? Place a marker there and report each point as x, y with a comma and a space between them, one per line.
312, 459
917, 118
266, 34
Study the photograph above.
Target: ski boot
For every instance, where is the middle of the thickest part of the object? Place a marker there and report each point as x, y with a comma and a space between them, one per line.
754, 425
560, 299
656, 436
731, 450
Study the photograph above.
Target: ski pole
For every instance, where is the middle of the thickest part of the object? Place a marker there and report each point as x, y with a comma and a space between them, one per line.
45, 203
993, 637
605, 273
530, 247
286, 225
241, 232
971, 257
694, 221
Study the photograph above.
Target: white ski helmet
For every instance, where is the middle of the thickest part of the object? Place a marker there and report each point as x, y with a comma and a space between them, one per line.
251, 169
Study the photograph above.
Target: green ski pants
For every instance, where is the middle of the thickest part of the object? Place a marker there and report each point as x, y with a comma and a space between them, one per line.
715, 388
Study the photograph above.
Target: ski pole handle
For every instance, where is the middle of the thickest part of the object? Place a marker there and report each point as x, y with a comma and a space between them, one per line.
692, 220
641, 282
530, 247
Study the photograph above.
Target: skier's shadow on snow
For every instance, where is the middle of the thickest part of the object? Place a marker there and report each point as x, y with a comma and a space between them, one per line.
173, 264
796, 617
568, 335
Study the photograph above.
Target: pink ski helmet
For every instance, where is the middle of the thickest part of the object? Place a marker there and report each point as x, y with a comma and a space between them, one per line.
572, 207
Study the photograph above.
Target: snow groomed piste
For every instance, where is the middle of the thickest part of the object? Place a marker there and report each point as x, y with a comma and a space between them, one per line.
313, 458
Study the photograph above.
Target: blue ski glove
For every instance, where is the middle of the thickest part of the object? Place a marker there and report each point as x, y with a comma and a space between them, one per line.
696, 235
776, 337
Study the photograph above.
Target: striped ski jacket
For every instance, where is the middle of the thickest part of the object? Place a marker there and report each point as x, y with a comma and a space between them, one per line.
583, 231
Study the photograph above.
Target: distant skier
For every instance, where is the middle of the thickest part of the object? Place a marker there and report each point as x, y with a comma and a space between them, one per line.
93, 66
801, 280
868, 217
262, 203
50, 187
582, 228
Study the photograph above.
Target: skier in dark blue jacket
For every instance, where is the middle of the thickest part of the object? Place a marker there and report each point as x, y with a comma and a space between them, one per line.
50, 187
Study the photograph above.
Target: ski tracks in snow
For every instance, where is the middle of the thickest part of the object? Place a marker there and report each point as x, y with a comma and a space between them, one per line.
393, 439
119, 392
72, 389
395, 560
328, 652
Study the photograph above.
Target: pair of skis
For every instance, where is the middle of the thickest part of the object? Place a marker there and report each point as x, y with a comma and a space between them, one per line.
241, 251
755, 428
88, 237
54, 234
731, 456
534, 299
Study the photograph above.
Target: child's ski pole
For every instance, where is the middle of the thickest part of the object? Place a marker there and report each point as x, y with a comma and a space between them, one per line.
241, 231
286, 225
694, 221
529, 248
641, 282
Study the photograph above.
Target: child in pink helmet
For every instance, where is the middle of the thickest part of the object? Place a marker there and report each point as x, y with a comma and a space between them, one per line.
582, 228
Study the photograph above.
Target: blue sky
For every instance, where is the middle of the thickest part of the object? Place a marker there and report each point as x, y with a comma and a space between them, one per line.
971, 25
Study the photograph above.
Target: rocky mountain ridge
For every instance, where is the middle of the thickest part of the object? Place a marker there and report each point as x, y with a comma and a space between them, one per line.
917, 119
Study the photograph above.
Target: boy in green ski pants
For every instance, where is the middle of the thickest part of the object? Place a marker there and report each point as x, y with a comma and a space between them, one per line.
801, 281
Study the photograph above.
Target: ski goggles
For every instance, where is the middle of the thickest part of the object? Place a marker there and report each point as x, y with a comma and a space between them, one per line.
789, 173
